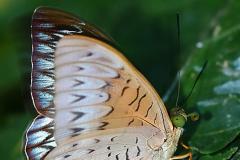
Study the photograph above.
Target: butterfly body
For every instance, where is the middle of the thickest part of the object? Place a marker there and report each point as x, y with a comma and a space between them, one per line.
92, 103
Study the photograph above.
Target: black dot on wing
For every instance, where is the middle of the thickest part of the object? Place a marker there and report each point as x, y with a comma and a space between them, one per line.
80, 68
90, 150
128, 80
89, 54
136, 141
75, 144
66, 156
112, 139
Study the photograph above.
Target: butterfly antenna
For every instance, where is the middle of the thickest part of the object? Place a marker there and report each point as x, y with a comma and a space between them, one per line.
176, 81
178, 90
196, 80
179, 51
178, 34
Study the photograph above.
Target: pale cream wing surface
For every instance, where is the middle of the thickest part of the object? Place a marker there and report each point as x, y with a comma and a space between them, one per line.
104, 108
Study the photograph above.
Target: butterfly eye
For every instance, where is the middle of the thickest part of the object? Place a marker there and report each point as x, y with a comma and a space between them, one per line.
194, 116
178, 117
178, 120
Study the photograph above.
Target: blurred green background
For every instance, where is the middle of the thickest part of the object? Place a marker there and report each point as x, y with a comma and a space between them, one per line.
146, 30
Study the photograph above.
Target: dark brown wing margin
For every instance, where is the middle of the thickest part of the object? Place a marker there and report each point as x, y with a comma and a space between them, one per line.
48, 26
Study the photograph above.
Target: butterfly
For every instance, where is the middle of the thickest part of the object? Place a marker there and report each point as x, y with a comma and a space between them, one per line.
92, 102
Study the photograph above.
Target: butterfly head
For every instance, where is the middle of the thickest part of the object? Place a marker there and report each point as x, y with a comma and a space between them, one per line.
179, 117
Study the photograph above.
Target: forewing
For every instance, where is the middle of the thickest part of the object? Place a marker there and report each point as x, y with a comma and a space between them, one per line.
99, 105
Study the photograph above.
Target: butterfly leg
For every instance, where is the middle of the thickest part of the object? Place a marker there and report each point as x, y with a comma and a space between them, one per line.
187, 155
185, 146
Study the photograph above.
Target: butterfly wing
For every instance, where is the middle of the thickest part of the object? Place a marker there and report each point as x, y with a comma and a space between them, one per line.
93, 103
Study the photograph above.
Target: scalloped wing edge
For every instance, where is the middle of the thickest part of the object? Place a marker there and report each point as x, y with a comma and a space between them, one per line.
48, 27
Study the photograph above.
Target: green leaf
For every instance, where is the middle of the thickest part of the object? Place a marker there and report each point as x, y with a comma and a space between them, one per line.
236, 155
221, 156
217, 95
